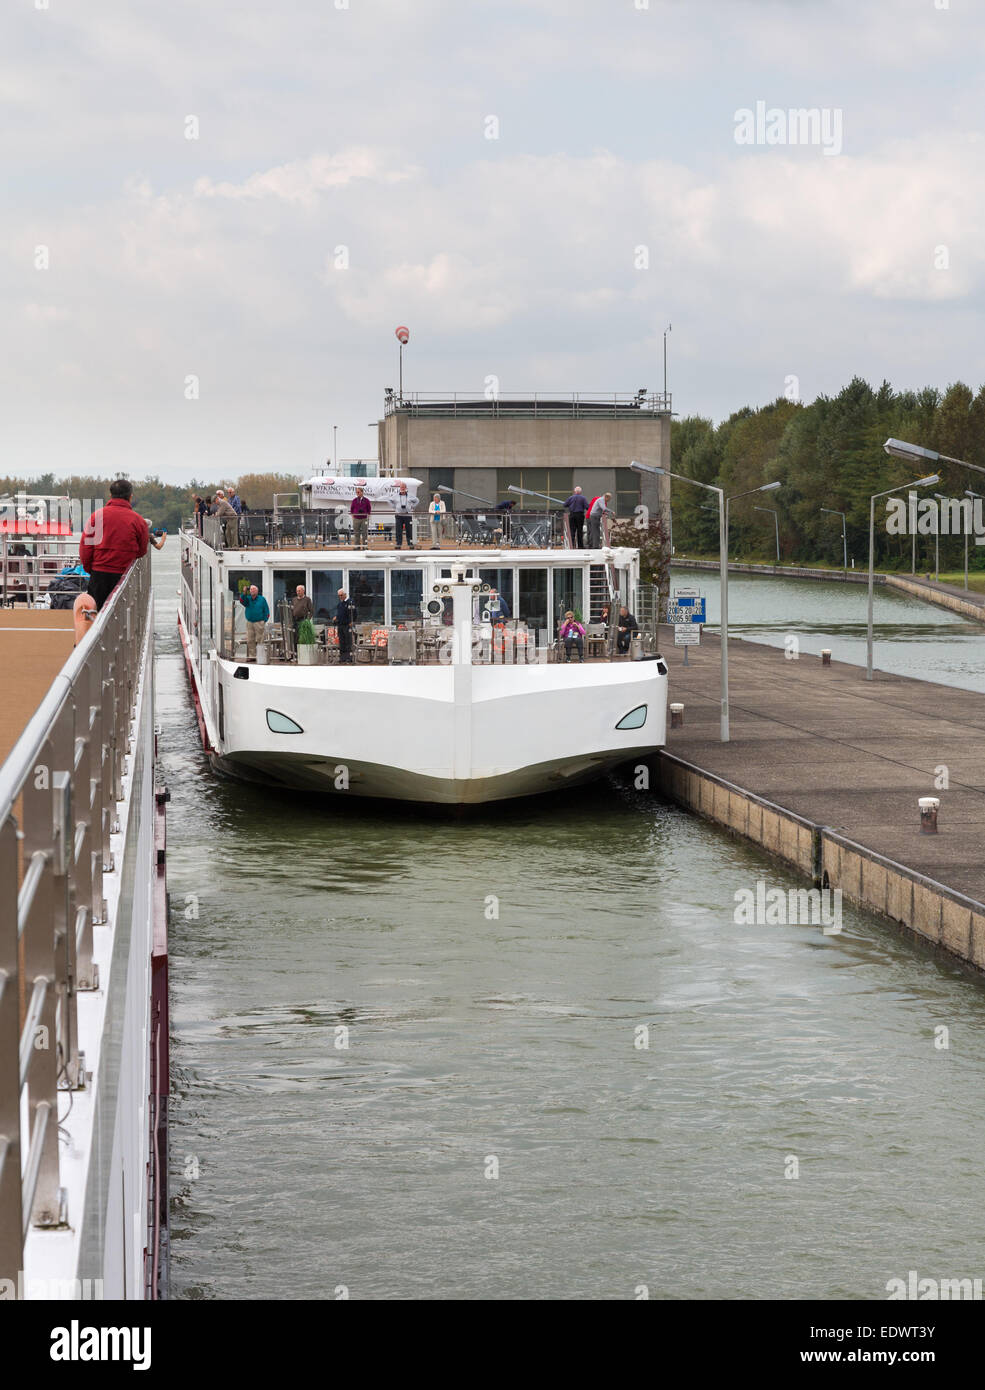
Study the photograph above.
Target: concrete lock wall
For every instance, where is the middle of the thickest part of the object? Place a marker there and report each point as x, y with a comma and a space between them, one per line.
480, 449
930, 910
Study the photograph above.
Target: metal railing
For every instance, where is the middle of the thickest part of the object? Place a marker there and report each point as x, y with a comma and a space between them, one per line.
547, 405
321, 530
59, 789
28, 564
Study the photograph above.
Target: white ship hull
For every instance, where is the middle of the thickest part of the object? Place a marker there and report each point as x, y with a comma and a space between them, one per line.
473, 724
412, 733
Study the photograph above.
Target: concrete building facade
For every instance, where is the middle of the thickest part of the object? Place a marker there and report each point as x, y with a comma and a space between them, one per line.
480, 447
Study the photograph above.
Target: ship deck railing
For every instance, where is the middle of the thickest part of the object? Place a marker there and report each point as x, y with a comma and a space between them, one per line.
28, 564
421, 643
296, 529
60, 788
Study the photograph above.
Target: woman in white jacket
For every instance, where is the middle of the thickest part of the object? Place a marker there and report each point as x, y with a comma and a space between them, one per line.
436, 518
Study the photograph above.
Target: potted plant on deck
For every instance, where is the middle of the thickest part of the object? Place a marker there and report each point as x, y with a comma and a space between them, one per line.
307, 643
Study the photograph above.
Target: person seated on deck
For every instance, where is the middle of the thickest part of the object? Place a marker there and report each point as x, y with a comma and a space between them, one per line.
572, 635
628, 627
257, 611
359, 509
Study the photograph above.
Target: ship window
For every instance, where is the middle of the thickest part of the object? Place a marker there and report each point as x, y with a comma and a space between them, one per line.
531, 605
406, 588
325, 586
366, 590
279, 723
285, 587
635, 719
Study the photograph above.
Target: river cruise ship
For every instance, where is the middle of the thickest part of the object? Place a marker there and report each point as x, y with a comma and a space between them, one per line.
460, 689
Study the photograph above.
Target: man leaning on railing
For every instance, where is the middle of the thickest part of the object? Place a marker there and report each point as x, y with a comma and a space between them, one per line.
112, 538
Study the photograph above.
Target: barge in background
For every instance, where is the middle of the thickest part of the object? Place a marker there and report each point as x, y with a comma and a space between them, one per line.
443, 703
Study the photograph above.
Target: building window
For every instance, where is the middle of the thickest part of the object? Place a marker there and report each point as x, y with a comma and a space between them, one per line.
627, 497
441, 477
548, 482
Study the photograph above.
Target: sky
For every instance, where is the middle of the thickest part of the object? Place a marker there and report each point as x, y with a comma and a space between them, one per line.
214, 216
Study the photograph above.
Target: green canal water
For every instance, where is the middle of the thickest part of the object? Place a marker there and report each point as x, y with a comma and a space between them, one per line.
384, 1088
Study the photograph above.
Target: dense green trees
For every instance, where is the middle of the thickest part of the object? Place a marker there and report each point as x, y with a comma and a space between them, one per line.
166, 504
827, 454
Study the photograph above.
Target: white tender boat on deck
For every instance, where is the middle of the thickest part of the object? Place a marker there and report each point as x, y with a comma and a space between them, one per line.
442, 703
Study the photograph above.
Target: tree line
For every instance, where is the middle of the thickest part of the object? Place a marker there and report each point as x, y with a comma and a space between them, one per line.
826, 454
165, 504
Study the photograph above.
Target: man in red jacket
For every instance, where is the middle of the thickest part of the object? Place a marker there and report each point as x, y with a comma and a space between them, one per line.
112, 539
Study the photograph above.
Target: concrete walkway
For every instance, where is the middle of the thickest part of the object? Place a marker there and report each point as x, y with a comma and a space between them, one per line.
934, 586
844, 752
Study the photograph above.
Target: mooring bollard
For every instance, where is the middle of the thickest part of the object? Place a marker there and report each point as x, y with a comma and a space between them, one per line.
825, 656
676, 716
928, 814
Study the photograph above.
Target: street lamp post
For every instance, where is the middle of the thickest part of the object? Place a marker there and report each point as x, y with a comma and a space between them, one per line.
844, 535
335, 448
937, 540
457, 492
968, 493
920, 482
723, 504
913, 453
776, 523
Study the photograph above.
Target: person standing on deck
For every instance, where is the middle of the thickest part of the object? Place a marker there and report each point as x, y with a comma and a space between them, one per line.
359, 509
499, 611
344, 615
257, 611
234, 502
577, 505
112, 539
600, 510
227, 516
301, 607
436, 520
403, 509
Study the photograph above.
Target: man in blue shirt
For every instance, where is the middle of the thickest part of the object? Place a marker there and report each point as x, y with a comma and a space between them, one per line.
256, 612
498, 609
577, 505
